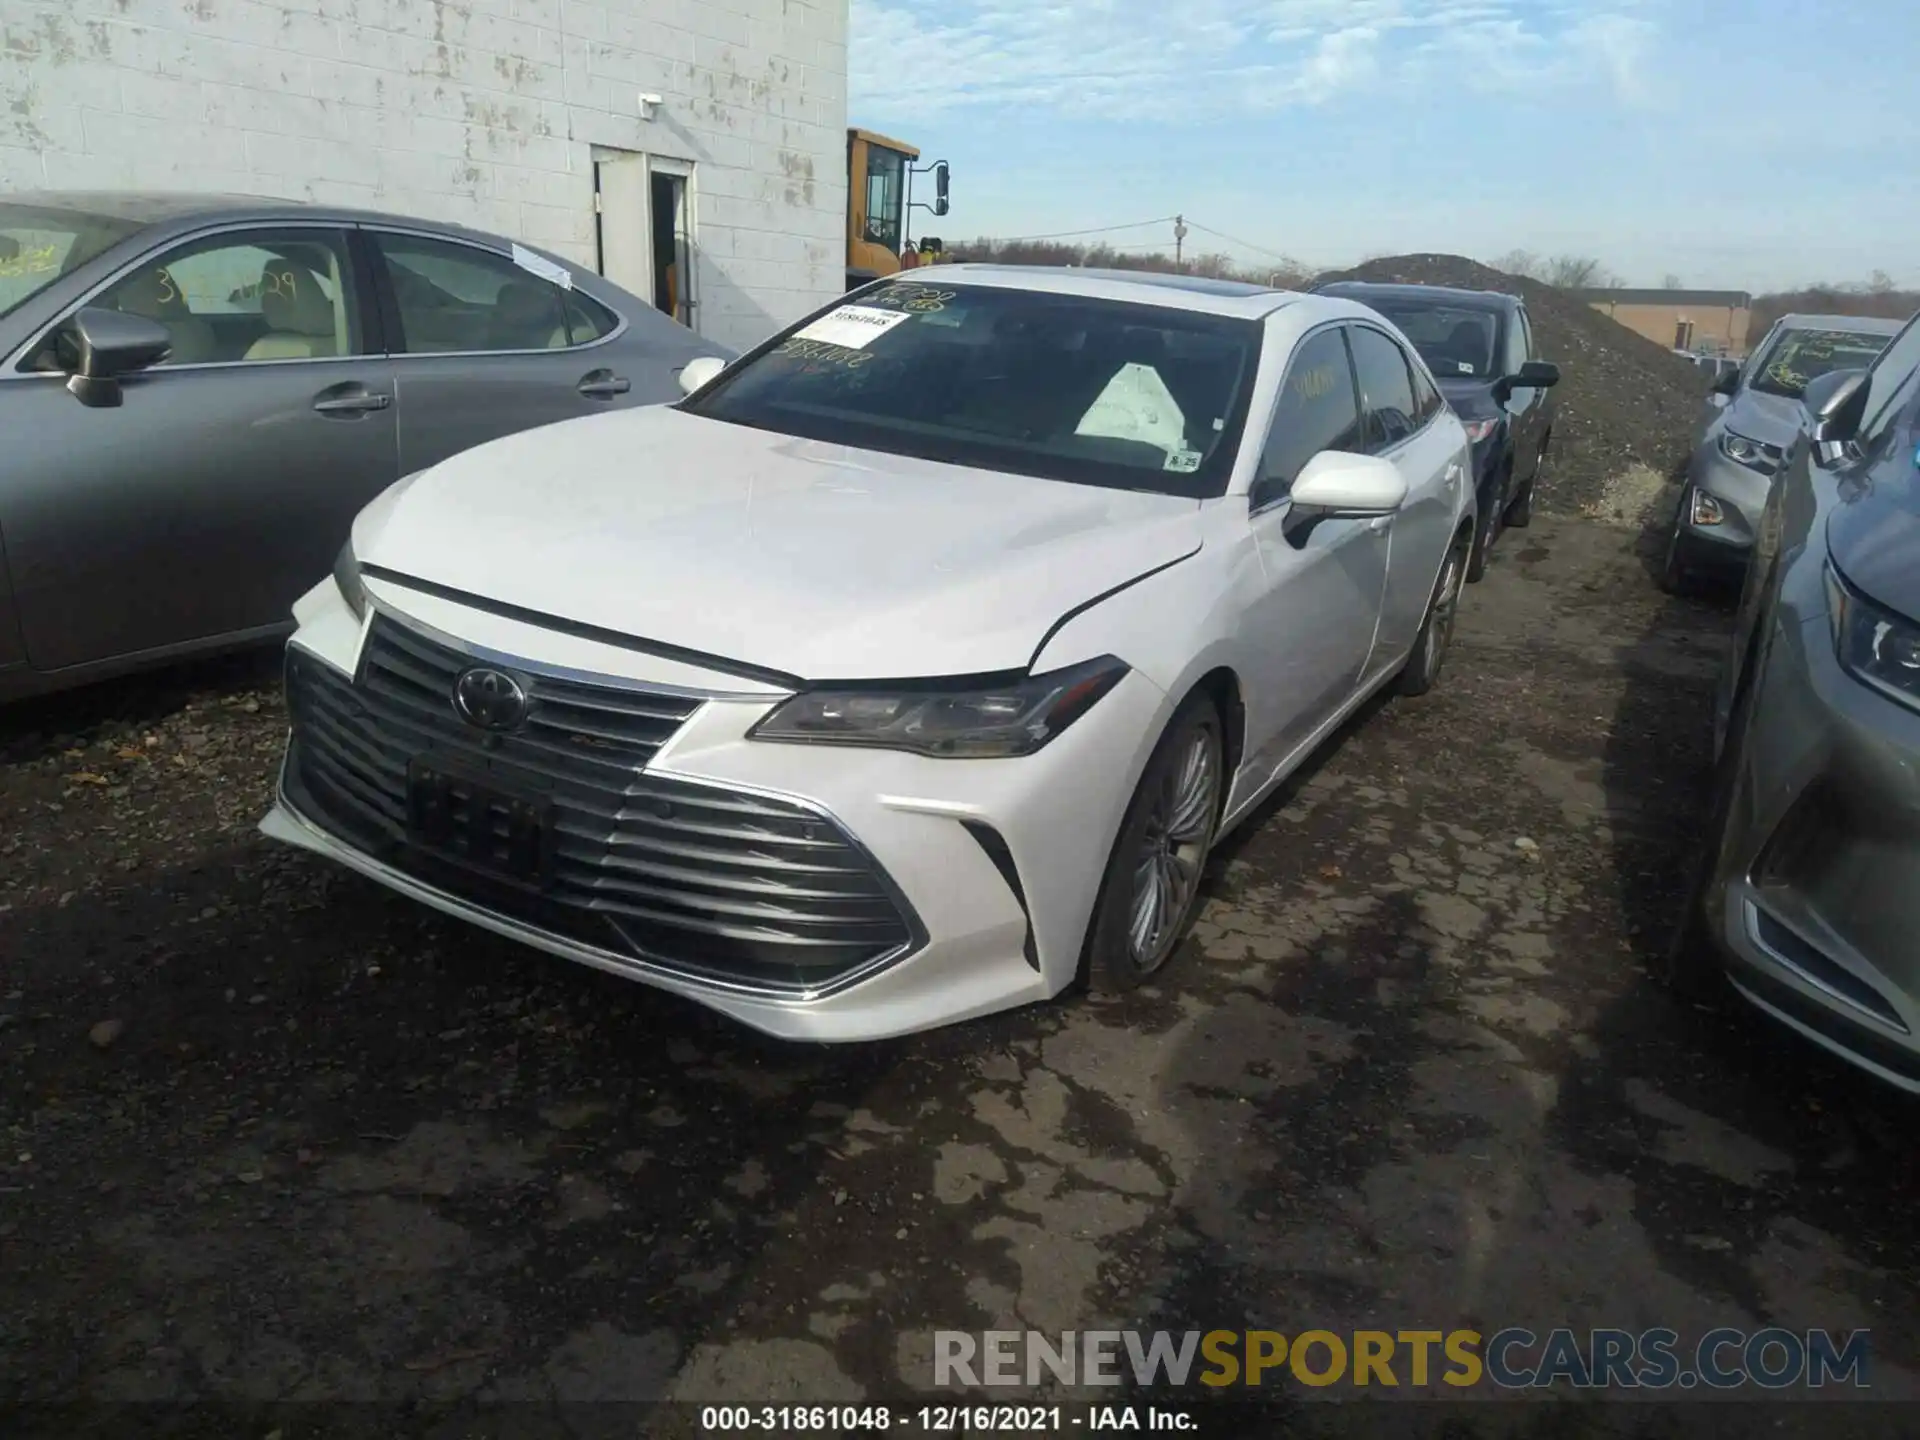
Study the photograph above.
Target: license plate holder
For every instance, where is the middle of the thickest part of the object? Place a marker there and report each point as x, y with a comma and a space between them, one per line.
479, 818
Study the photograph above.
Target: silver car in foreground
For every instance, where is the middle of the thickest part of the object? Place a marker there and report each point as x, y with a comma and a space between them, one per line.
1808, 899
198, 394
1751, 418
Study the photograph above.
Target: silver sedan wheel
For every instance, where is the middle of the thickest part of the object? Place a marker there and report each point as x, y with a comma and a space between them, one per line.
1173, 850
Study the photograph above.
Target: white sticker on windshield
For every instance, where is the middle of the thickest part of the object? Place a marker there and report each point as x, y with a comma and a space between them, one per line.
539, 265
853, 327
1465, 367
1182, 462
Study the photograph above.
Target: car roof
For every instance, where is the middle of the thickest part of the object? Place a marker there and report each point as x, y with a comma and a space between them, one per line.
1143, 287
1848, 324
178, 210
1402, 290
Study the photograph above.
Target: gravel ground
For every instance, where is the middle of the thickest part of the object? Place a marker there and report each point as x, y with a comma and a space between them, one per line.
1622, 400
273, 1134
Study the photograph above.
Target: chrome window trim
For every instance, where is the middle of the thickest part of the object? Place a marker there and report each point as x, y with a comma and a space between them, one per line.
377, 229
10, 369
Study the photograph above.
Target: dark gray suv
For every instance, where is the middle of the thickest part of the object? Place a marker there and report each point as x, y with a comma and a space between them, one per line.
1808, 897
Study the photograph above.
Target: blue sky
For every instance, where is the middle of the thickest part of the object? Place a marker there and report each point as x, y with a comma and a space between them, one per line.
1754, 144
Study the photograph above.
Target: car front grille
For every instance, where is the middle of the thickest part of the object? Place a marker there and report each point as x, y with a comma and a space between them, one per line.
705, 881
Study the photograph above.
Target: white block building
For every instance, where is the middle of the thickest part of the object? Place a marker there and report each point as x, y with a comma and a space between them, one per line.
536, 119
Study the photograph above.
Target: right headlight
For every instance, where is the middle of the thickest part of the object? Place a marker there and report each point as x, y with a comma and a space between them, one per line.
346, 575
1875, 646
957, 722
1754, 454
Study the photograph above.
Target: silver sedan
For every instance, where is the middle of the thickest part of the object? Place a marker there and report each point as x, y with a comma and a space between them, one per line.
200, 393
1749, 423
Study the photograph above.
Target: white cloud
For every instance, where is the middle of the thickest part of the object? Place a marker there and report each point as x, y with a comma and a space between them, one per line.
1203, 59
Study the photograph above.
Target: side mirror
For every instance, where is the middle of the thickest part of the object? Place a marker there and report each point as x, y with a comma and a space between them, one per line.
696, 374
1728, 382
1533, 375
941, 175
97, 346
1335, 483
1836, 403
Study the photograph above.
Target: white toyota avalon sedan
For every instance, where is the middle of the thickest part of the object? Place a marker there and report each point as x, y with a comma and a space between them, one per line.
905, 670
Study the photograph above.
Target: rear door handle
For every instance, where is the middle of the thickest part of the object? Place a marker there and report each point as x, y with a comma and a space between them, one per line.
351, 402
601, 385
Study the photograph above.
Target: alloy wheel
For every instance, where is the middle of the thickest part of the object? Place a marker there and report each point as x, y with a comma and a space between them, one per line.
1173, 851
1446, 608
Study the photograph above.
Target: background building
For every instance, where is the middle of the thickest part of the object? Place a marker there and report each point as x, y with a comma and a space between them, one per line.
693, 151
1708, 322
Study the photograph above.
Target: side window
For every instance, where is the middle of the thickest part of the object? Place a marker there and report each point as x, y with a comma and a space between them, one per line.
1316, 411
1891, 383
248, 296
455, 298
1519, 347
1386, 389
1426, 400
587, 319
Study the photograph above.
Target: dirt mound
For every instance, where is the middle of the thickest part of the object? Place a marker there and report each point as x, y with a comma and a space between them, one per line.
1623, 400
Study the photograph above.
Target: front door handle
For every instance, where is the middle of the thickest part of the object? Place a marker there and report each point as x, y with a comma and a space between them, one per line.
350, 400
603, 384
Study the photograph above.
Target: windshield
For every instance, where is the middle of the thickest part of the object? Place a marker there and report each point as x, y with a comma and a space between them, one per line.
1454, 341
1800, 356
39, 245
1065, 387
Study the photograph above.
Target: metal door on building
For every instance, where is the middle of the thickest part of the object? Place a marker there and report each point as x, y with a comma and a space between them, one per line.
644, 219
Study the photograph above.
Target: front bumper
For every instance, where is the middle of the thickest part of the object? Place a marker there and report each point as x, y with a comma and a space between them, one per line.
931, 891
1739, 495
1816, 901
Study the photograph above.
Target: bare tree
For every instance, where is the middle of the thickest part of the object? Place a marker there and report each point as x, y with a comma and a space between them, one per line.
1577, 272
1519, 262
1672, 282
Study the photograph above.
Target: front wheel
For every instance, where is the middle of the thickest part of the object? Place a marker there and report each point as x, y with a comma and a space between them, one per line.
1152, 886
1436, 631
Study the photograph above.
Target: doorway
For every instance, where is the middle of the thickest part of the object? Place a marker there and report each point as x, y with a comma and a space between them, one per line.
672, 245
644, 225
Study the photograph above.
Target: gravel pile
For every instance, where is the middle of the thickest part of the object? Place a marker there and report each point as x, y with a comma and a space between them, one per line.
1623, 400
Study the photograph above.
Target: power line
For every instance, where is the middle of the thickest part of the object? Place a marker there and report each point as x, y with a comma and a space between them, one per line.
1243, 244
1096, 230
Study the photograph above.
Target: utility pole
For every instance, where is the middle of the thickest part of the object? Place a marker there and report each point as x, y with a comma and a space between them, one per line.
1179, 235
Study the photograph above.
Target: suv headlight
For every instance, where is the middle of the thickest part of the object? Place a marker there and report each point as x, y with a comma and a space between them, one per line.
958, 721
1754, 454
1875, 646
346, 575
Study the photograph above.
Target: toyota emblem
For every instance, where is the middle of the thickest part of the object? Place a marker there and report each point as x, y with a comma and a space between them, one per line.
491, 699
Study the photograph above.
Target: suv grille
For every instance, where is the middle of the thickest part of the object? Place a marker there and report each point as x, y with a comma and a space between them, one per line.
712, 883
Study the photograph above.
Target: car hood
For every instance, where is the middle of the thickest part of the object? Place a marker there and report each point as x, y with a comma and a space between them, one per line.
811, 560
1770, 419
1874, 536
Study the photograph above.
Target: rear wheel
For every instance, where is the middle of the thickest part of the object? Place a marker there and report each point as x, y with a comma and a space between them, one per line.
1436, 631
1487, 529
1520, 508
1152, 886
